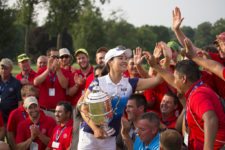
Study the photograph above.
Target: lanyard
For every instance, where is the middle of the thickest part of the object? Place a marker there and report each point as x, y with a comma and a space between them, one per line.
58, 134
195, 87
52, 79
24, 115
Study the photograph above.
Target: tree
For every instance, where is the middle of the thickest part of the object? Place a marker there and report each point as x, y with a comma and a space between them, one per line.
25, 17
88, 31
7, 30
203, 35
146, 37
218, 27
62, 14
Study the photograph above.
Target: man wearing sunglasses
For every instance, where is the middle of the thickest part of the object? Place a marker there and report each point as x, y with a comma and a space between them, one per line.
52, 83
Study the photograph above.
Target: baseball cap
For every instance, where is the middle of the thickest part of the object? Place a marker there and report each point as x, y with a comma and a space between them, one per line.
173, 45
6, 62
117, 52
81, 50
29, 100
64, 51
22, 57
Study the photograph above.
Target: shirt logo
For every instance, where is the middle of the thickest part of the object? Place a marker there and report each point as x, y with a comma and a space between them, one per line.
65, 135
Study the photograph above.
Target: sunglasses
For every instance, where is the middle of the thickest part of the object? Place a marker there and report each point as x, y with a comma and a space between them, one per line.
55, 56
64, 56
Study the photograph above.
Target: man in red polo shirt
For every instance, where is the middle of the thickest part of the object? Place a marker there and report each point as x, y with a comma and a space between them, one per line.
76, 89
27, 75
204, 112
52, 83
62, 134
36, 130
215, 81
168, 107
19, 114
99, 59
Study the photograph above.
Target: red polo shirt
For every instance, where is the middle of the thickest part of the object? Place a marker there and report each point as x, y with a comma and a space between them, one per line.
170, 122
51, 82
89, 79
64, 134
1, 120
155, 95
201, 99
46, 125
31, 76
81, 89
15, 117
216, 83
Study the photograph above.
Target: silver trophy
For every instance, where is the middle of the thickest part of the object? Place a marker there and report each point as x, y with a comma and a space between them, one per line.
100, 109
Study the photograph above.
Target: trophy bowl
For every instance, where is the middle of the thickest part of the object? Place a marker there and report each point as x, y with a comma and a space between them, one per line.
100, 108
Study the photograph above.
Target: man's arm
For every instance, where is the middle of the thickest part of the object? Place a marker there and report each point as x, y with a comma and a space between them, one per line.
24, 145
11, 140
210, 129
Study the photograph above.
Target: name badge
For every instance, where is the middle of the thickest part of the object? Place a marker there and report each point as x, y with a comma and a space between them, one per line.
51, 91
55, 144
33, 146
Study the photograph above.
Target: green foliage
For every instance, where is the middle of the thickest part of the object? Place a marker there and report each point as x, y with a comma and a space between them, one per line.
203, 34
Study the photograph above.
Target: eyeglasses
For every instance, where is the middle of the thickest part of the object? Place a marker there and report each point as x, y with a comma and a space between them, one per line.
55, 56
64, 56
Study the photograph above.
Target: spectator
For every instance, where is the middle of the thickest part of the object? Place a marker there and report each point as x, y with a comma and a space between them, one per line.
62, 134
27, 75
206, 121
65, 60
36, 129
170, 140
99, 58
42, 62
216, 80
9, 89
80, 75
136, 106
147, 132
19, 114
168, 107
52, 83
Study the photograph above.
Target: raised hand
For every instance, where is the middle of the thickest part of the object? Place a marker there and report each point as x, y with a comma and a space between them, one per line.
189, 49
137, 55
150, 58
157, 53
177, 19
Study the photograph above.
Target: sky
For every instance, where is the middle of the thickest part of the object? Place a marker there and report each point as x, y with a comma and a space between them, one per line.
159, 12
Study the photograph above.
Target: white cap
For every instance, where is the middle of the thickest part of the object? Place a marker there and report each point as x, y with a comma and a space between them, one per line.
64, 51
29, 100
117, 52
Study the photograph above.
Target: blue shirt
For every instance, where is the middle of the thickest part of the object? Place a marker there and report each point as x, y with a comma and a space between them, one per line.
120, 93
154, 144
10, 95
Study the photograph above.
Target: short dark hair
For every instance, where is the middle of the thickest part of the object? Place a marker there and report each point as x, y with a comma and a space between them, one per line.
174, 96
67, 106
140, 100
152, 117
190, 69
170, 139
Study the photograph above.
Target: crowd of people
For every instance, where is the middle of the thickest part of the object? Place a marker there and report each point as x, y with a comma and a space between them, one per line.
177, 103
